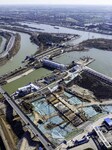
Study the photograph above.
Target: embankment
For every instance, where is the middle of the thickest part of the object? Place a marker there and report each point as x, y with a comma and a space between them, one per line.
13, 51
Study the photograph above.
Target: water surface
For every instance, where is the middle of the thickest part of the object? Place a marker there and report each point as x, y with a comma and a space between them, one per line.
26, 48
102, 63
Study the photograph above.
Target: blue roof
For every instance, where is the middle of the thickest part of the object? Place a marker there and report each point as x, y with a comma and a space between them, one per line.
108, 121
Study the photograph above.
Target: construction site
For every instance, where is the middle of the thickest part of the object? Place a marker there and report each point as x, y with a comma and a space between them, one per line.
58, 105
45, 102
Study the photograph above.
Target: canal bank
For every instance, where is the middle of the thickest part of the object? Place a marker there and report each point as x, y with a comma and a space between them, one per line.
26, 48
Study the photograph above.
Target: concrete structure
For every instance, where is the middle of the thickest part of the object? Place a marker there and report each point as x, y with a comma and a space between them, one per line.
53, 65
98, 75
102, 138
31, 85
75, 68
26, 90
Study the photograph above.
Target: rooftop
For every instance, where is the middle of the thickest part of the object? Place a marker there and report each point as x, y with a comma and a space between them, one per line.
108, 121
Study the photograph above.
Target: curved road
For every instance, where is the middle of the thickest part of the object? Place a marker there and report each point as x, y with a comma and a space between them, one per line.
8, 47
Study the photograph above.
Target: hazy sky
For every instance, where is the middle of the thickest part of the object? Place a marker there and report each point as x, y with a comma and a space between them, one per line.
98, 2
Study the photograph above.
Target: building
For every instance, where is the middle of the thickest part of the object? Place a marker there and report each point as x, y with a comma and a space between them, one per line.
53, 65
75, 68
108, 123
48, 80
23, 91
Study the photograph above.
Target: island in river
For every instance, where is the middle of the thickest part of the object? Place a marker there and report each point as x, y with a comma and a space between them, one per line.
100, 43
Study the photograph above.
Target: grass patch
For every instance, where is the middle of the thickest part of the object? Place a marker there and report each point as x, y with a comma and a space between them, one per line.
37, 74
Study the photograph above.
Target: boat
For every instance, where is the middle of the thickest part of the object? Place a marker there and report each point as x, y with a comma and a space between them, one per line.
56, 27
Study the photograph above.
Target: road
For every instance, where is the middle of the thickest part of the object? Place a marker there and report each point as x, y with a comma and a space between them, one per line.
8, 47
109, 102
27, 121
47, 52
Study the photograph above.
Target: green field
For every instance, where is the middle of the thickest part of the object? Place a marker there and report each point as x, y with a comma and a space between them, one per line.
37, 74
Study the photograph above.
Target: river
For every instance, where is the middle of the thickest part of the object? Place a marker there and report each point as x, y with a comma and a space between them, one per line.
103, 61
26, 48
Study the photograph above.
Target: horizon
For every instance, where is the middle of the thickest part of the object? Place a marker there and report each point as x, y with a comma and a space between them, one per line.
57, 2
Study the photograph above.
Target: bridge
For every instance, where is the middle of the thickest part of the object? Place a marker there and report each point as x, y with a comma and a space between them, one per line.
98, 75
47, 144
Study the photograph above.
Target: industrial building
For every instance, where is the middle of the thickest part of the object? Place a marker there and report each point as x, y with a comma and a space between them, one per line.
108, 123
48, 80
26, 90
53, 65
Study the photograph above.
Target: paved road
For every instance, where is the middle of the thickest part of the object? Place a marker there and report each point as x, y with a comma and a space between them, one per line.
47, 52
109, 102
8, 47
27, 121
